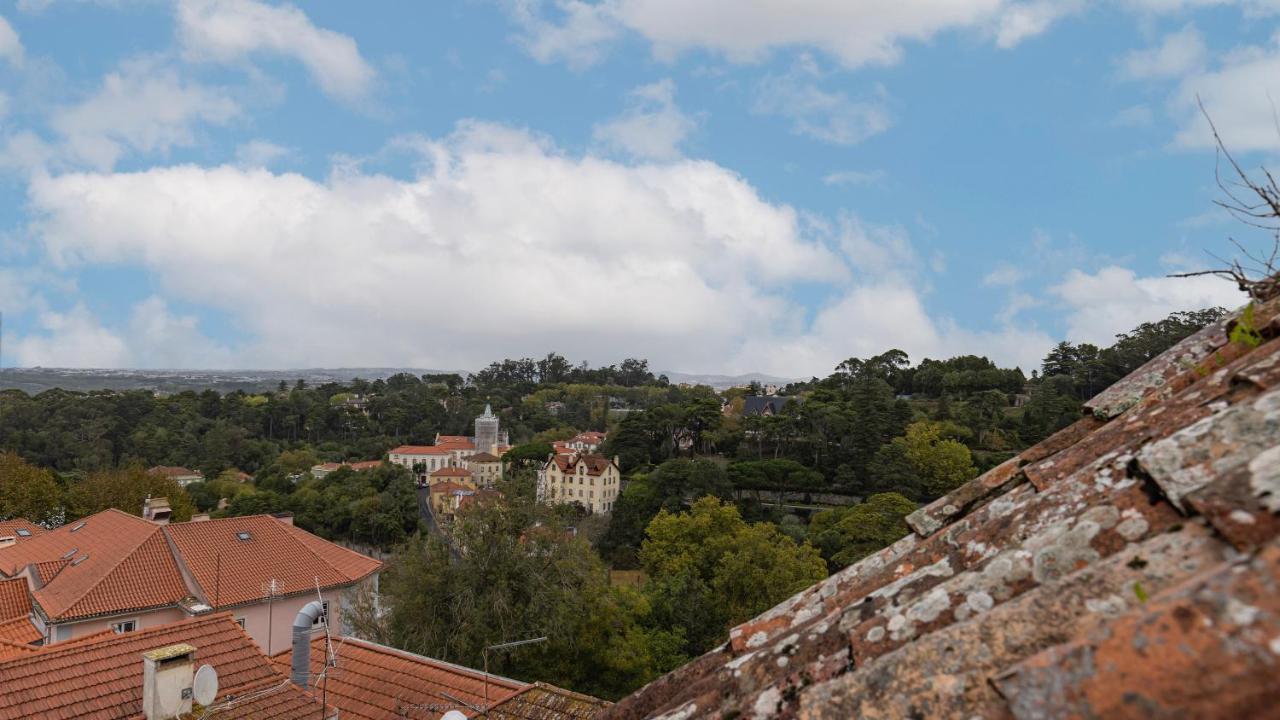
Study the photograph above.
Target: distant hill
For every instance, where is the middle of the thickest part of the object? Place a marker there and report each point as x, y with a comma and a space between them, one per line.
720, 382
35, 380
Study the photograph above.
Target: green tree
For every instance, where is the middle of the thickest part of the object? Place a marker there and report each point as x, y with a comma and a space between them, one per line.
943, 463
846, 535
708, 569
27, 491
127, 488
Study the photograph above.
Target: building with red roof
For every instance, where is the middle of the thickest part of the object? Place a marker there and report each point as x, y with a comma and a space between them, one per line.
115, 571
102, 678
594, 481
182, 476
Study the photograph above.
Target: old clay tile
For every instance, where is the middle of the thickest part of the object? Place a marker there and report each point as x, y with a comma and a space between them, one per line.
945, 673
1061, 440
1234, 509
1195, 456
1205, 649
929, 519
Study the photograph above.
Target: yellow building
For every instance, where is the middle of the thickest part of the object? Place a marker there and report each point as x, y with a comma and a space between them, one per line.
592, 480
486, 469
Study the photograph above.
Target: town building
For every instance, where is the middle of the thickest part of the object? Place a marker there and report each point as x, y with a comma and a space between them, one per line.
456, 451
593, 481
485, 468
369, 680
586, 442
17, 530
458, 475
766, 406
180, 475
157, 674
447, 497
326, 469
115, 571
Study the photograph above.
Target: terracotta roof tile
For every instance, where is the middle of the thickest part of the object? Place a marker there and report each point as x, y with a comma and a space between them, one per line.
484, 457
548, 702
15, 598
419, 450
231, 570
11, 528
451, 472
595, 464
447, 487
100, 678
20, 630
108, 562
376, 682
1032, 590
12, 648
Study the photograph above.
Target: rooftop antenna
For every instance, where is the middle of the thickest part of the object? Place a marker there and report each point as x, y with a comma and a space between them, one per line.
502, 646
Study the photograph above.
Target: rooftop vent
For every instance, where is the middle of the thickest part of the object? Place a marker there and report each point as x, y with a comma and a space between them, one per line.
70, 553
77, 526
79, 560
23, 532
244, 536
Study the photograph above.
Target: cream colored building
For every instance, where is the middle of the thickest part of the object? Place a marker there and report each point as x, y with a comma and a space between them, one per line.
592, 480
485, 468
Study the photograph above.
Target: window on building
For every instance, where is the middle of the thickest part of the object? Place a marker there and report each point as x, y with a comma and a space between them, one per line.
240, 622
124, 626
324, 614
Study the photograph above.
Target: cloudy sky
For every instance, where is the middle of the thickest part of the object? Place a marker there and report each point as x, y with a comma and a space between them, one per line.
716, 185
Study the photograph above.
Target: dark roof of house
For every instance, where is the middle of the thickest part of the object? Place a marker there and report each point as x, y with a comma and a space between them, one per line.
1127, 566
762, 405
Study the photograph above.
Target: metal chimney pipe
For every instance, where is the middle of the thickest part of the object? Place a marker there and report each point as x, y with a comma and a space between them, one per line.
302, 624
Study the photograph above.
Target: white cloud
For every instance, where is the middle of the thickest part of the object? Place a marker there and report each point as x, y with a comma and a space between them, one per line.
1025, 20
1178, 54
260, 154
1114, 300
856, 33
590, 257
853, 177
10, 44
829, 116
502, 245
1241, 96
232, 30
159, 339
1002, 274
652, 127
144, 106
71, 339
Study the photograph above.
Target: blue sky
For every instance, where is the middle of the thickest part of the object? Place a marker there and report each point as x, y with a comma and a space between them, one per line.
717, 186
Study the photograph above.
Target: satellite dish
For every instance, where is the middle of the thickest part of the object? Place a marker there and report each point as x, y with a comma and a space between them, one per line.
454, 715
204, 689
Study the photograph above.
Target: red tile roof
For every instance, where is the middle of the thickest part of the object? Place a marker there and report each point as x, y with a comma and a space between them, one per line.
484, 457
376, 682
419, 450
10, 648
365, 465
174, 471
448, 486
10, 528
109, 562
455, 442
100, 678
451, 472
541, 701
15, 598
230, 571
20, 630
596, 464
1125, 567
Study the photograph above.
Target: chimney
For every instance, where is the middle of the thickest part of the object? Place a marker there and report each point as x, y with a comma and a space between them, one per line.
200, 517
167, 675
156, 510
306, 618
285, 517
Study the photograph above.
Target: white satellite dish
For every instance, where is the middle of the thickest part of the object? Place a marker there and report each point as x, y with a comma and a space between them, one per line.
454, 715
204, 689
